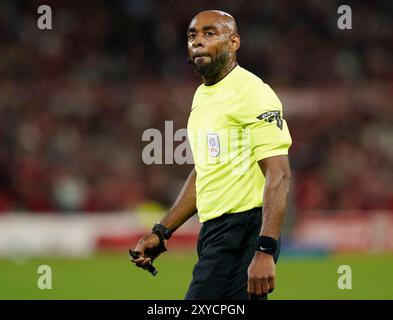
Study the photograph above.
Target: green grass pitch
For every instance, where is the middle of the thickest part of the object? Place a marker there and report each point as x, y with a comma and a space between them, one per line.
111, 276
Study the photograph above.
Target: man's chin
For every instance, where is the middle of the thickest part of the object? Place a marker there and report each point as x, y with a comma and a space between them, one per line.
204, 69
207, 66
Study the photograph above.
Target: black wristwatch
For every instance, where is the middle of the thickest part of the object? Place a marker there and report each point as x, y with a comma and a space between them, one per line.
161, 231
266, 244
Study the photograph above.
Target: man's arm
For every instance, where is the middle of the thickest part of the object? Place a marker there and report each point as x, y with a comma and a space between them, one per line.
183, 208
261, 272
275, 198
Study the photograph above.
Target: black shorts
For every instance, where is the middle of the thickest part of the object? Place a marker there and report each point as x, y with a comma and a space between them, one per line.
226, 246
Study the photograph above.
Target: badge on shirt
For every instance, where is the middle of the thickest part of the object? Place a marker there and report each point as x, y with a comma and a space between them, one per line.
271, 116
213, 144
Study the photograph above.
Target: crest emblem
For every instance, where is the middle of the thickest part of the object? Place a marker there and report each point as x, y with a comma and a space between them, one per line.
213, 144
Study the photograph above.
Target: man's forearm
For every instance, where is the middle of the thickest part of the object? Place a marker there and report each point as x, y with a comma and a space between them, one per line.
184, 206
275, 196
275, 201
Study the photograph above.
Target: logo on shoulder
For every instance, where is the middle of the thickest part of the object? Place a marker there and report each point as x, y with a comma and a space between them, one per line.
270, 116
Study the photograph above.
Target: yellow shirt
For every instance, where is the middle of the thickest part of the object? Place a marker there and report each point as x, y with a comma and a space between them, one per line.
233, 124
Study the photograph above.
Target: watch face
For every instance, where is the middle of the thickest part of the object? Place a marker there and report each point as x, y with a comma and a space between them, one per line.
163, 230
167, 234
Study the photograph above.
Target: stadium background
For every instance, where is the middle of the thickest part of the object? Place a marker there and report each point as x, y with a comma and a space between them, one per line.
75, 100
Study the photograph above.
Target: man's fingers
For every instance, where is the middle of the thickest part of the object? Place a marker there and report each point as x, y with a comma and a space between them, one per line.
141, 262
272, 284
250, 287
134, 258
265, 285
260, 287
146, 262
136, 254
257, 287
138, 260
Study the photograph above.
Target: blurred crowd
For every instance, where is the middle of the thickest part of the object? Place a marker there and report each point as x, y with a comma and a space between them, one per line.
75, 100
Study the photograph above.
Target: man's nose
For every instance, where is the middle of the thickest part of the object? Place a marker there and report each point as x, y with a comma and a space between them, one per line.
199, 42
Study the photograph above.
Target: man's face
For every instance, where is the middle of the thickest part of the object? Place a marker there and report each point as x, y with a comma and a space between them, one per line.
209, 48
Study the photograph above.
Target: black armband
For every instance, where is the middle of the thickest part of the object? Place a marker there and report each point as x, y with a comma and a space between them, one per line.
266, 244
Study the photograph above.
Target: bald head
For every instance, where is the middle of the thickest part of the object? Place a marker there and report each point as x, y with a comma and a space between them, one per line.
225, 20
212, 44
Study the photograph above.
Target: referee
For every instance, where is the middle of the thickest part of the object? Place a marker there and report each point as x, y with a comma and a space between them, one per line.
239, 185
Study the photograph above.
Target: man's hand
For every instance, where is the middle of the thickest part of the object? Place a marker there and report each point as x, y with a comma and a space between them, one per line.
184, 208
149, 249
261, 274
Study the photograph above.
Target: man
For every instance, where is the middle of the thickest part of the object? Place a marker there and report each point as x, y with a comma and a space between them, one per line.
240, 146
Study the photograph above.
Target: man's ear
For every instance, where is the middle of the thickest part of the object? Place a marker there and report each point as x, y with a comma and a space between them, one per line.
235, 42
